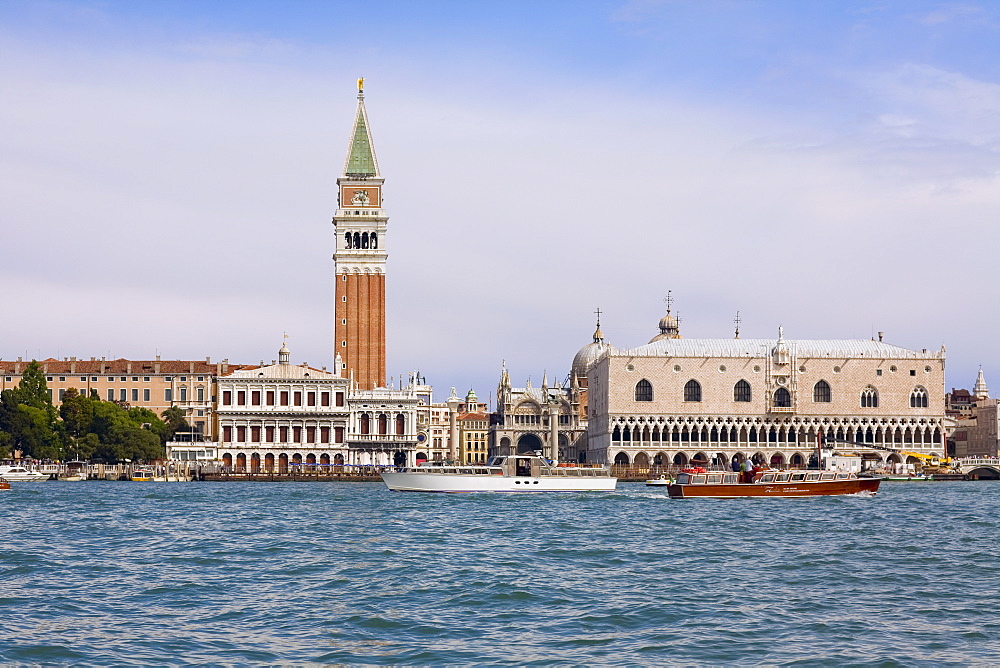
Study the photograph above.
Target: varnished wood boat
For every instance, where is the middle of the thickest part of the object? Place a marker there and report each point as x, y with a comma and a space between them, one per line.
720, 484
4, 484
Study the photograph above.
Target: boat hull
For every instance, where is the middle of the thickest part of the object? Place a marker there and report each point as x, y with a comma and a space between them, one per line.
24, 476
458, 483
784, 489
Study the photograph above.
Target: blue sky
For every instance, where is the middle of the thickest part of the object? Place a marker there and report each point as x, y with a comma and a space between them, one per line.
167, 175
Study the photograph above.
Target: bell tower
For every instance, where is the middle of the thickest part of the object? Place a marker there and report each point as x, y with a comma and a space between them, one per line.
360, 229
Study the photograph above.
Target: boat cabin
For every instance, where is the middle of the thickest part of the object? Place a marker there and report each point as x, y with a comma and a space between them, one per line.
515, 466
722, 478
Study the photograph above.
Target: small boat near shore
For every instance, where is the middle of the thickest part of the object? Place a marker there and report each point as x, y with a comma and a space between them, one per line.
141, 474
719, 484
662, 481
512, 473
21, 474
4, 484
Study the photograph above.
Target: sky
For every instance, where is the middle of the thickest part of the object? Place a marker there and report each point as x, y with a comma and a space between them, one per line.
168, 171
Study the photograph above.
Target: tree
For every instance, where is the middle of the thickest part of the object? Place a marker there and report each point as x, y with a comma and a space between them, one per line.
174, 418
27, 417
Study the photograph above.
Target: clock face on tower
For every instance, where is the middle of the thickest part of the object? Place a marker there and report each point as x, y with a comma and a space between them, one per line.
359, 196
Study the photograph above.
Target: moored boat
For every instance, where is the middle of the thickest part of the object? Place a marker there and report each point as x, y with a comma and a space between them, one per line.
720, 484
4, 484
512, 473
141, 474
21, 474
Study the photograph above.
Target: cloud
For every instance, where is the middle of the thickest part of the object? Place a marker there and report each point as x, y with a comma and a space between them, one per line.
180, 199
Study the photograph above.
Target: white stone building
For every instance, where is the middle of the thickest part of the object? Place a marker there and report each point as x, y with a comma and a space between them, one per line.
278, 417
674, 401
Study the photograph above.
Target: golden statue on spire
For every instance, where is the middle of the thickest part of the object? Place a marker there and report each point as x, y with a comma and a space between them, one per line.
361, 85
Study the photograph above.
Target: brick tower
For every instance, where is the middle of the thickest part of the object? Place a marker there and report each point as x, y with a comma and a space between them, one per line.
360, 226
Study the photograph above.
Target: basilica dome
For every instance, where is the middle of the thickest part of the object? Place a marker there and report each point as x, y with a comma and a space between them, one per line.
589, 354
670, 328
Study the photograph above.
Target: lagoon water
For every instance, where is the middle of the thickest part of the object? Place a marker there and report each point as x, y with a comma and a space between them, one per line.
99, 573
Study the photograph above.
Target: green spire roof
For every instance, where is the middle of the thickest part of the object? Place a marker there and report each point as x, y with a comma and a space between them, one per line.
361, 154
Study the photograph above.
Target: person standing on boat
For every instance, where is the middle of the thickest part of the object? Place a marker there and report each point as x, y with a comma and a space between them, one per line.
744, 466
735, 466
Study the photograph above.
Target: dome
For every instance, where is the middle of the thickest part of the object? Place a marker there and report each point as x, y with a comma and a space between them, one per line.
670, 328
589, 354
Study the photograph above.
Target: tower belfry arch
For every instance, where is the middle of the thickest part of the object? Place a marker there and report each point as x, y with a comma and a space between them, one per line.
360, 225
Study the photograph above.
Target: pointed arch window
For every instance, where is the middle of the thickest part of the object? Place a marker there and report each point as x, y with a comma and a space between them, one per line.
869, 397
692, 390
782, 398
918, 398
741, 391
643, 390
821, 392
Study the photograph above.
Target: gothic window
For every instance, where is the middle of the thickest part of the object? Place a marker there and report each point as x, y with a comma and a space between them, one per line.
347, 240
741, 391
692, 391
918, 398
782, 398
869, 397
821, 392
643, 390
616, 435
374, 240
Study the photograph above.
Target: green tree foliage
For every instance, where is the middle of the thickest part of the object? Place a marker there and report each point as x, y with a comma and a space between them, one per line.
174, 417
89, 428
28, 420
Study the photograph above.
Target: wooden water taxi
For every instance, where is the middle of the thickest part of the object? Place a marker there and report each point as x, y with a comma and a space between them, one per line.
4, 484
720, 484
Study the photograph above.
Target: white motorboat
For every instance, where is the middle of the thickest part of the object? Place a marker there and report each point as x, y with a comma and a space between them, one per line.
662, 481
512, 473
21, 474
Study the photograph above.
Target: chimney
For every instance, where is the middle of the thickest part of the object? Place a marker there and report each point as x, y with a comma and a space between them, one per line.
191, 366
208, 360
156, 365
128, 367
880, 334
72, 365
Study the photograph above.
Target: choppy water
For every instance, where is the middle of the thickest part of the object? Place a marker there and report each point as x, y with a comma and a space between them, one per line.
99, 573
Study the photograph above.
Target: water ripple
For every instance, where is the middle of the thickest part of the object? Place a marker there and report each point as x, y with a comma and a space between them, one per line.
102, 573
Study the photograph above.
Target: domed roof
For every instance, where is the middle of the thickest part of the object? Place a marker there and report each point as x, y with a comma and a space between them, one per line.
589, 354
670, 327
